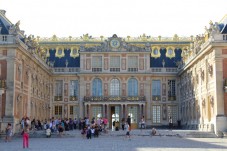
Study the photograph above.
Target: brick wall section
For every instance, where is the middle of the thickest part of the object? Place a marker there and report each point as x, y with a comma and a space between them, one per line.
224, 51
225, 77
3, 69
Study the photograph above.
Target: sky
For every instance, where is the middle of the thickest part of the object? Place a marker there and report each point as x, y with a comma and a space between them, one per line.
65, 18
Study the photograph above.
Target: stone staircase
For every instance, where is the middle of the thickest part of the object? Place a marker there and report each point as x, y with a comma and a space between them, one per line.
135, 132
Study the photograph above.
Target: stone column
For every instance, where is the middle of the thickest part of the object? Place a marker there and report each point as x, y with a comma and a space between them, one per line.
126, 111
85, 110
103, 110
9, 106
29, 94
89, 110
122, 112
82, 90
1, 92
221, 119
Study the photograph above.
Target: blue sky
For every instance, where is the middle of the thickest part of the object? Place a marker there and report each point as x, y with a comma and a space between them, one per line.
122, 17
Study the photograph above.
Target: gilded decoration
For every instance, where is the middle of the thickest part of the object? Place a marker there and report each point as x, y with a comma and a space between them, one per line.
74, 52
60, 52
170, 53
155, 52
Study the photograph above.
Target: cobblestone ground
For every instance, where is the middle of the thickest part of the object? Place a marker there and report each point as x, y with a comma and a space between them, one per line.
117, 143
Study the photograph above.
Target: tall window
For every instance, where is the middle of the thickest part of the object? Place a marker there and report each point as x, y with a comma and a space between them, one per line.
156, 113
172, 112
97, 87
74, 90
96, 63
132, 63
132, 112
115, 64
58, 111
171, 90
156, 90
71, 110
96, 112
58, 90
115, 87
132, 87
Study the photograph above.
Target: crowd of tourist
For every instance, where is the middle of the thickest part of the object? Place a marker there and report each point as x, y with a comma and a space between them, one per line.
54, 125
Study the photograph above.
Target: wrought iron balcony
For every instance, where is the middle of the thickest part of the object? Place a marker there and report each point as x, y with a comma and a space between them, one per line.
57, 98
114, 98
73, 98
2, 84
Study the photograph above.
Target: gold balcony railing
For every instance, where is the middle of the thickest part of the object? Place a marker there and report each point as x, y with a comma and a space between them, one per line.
57, 98
114, 98
73, 98
2, 84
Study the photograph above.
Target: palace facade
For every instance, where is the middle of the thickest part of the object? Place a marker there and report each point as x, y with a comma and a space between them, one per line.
113, 77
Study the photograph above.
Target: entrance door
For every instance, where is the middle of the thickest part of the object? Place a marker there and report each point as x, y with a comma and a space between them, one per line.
115, 111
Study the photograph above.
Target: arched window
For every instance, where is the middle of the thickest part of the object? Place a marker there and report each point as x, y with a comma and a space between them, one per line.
132, 87
97, 87
115, 87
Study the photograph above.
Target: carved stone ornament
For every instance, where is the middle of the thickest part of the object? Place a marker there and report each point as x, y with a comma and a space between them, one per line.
203, 103
210, 69
212, 101
202, 74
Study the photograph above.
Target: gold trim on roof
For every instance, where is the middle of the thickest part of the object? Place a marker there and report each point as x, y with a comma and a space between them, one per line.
155, 52
59, 52
74, 52
170, 52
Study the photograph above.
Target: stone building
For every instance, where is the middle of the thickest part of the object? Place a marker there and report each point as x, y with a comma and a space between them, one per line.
156, 77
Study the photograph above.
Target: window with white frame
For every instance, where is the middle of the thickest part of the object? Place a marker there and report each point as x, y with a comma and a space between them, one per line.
133, 113
156, 114
58, 87
97, 87
74, 89
132, 64
172, 112
58, 110
132, 87
156, 90
115, 87
115, 64
96, 63
96, 112
172, 89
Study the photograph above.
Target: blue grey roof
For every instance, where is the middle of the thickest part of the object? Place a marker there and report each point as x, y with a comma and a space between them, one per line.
224, 30
4, 30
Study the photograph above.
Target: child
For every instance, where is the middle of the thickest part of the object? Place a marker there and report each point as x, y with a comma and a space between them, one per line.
8, 133
88, 133
127, 127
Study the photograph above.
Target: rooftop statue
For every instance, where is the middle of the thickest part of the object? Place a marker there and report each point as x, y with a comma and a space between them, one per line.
14, 29
32, 43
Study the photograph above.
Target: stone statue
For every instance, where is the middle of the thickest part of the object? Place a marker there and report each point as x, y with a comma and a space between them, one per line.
32, 43
14, 29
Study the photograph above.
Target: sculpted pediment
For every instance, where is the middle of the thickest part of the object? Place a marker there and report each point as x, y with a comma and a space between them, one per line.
115, 44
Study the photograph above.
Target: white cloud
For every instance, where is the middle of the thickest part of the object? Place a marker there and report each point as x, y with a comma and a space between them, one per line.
122, 17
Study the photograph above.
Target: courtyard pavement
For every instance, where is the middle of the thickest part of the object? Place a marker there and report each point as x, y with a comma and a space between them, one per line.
116, 141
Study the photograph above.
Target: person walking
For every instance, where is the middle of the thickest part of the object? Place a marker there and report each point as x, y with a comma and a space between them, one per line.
26, 137
170, 123
129, 121
142, 123
8, 133
123, 124
127, 127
